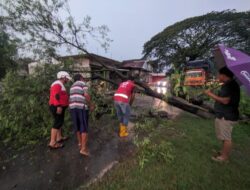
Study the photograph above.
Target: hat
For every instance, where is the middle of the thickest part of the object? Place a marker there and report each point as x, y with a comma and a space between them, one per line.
63, 74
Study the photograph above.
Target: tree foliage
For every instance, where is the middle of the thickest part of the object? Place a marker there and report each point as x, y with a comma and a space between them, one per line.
47, 24
8, 52
24, 100
194, 37
24, 111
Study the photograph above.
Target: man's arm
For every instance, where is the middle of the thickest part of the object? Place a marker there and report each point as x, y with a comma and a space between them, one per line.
89, 102
132, 98
223, 100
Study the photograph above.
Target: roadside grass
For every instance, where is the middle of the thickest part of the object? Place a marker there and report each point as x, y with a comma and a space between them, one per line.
191, 167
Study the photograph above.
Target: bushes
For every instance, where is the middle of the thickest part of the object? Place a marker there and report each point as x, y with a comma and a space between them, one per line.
244, 104
24, 114
149, 151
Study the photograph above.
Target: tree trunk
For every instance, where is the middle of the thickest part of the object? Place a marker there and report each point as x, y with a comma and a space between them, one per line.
172, 100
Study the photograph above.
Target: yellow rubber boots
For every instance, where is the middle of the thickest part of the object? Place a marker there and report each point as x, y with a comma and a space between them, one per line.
123, 131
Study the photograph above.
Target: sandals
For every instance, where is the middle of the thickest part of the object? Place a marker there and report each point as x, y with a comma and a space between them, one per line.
219, 159
62, 139
56, 146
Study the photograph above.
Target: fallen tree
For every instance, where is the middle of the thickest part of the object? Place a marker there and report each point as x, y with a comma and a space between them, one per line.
42, 27
172, 100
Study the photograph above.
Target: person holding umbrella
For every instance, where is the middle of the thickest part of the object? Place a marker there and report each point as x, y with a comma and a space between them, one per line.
226, 111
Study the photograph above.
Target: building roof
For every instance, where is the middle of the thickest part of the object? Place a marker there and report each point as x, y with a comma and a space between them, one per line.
95, 59
134, 64
105, 60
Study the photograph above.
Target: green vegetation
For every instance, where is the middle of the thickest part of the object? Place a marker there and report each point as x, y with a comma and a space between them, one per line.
24, 113
188, 142
43, 28
245, 104
195, 37
8, 51
25, 118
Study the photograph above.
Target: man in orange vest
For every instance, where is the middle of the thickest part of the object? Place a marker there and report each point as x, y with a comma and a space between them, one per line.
58, 102
123, 99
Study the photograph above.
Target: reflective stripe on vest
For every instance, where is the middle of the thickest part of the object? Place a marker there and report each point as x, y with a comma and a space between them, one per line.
121, 95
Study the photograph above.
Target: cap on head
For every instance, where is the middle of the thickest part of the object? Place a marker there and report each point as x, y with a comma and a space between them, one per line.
63, 74
227, 72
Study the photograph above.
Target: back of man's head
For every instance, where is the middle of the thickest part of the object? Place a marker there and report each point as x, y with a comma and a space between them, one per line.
78, 77
227, 72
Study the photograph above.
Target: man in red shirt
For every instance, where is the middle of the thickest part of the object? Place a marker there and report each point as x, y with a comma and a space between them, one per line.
123, 98
58, 102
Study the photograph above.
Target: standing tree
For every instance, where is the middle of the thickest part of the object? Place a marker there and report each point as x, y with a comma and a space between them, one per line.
194, 37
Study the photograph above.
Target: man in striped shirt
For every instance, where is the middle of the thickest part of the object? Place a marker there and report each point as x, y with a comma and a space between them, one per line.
79, 104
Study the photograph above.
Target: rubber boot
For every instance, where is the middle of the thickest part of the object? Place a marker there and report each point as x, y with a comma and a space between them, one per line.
123, 131
120, 129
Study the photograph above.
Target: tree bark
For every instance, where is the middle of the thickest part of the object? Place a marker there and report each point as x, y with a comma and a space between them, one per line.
172, 100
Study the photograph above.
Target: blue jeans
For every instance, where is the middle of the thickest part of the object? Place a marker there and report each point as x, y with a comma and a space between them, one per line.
123, 112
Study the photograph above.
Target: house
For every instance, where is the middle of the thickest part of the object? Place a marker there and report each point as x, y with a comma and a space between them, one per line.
32, 66
91, 66
138, 67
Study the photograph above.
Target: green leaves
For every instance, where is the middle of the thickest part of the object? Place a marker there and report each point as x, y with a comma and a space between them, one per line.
8, 51
40, 24
244, 104
24, 111
194, 37
148, 151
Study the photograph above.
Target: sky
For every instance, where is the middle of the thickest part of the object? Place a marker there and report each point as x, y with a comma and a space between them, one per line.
133, 22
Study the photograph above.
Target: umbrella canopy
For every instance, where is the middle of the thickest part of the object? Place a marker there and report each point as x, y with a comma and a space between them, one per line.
237, 61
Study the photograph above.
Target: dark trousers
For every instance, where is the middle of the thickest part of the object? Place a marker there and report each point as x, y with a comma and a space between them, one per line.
80, 118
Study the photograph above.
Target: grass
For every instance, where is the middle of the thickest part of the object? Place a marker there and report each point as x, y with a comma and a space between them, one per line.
192, 142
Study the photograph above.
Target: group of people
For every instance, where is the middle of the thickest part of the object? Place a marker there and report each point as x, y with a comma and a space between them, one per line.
79, 103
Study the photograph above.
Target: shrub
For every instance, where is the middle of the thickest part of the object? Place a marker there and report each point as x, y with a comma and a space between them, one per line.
24, 112
148, 152
244, 104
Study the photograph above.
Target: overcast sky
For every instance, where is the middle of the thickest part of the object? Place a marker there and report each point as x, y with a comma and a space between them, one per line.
134, 22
